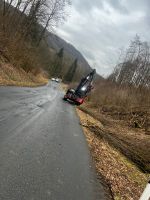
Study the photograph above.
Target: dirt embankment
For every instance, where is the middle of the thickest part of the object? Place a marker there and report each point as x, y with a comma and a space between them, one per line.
10, 75
121, 152
131, 141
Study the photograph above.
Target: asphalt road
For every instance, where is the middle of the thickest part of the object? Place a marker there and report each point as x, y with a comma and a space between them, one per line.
43, 151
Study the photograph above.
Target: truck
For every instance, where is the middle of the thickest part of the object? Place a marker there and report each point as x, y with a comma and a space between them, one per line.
79, 94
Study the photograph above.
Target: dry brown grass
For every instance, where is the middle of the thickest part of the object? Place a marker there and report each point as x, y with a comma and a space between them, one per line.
116, 122
10, 75
123, 102
125, 180
20, 50
130, 141
20, 63
110, 94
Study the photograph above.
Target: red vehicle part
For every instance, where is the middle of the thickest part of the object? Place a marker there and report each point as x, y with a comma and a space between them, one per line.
70, 95
85, 86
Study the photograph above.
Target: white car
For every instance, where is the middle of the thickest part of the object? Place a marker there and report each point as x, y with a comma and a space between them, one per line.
53, 79
57, 80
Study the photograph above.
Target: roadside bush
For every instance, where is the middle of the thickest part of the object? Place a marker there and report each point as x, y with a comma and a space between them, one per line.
111, 94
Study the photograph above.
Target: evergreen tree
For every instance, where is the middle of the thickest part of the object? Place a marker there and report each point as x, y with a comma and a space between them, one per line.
71, 72
58, 63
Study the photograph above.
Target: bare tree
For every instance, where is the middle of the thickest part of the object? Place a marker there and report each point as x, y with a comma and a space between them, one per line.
56, 13
134, 69
26, 16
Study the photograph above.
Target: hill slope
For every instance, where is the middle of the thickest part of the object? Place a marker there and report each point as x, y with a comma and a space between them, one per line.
56, 43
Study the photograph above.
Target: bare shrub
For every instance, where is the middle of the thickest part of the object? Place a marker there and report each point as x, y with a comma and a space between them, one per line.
112, 94
22, 32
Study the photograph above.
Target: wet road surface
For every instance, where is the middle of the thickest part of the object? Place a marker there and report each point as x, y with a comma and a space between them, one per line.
43, 152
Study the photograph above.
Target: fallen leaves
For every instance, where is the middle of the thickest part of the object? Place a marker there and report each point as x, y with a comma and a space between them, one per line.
125, 179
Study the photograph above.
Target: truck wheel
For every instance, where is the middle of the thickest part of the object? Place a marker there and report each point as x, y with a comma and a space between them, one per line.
78, 104
65, 99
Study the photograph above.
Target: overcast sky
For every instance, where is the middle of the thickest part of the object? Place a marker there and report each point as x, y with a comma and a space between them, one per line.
99, 28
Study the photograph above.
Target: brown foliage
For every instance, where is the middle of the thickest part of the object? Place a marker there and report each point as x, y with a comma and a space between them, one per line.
126, 97
22, 38
124, 179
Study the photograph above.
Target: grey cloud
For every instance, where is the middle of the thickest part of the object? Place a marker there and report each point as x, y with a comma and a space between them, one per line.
86, 5
119, 6
99, 35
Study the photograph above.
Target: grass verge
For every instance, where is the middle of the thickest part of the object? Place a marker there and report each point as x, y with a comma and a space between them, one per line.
123, 177
134, 143
12, 76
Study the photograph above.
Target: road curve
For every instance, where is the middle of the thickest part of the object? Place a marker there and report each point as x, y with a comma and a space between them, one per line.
43, 152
